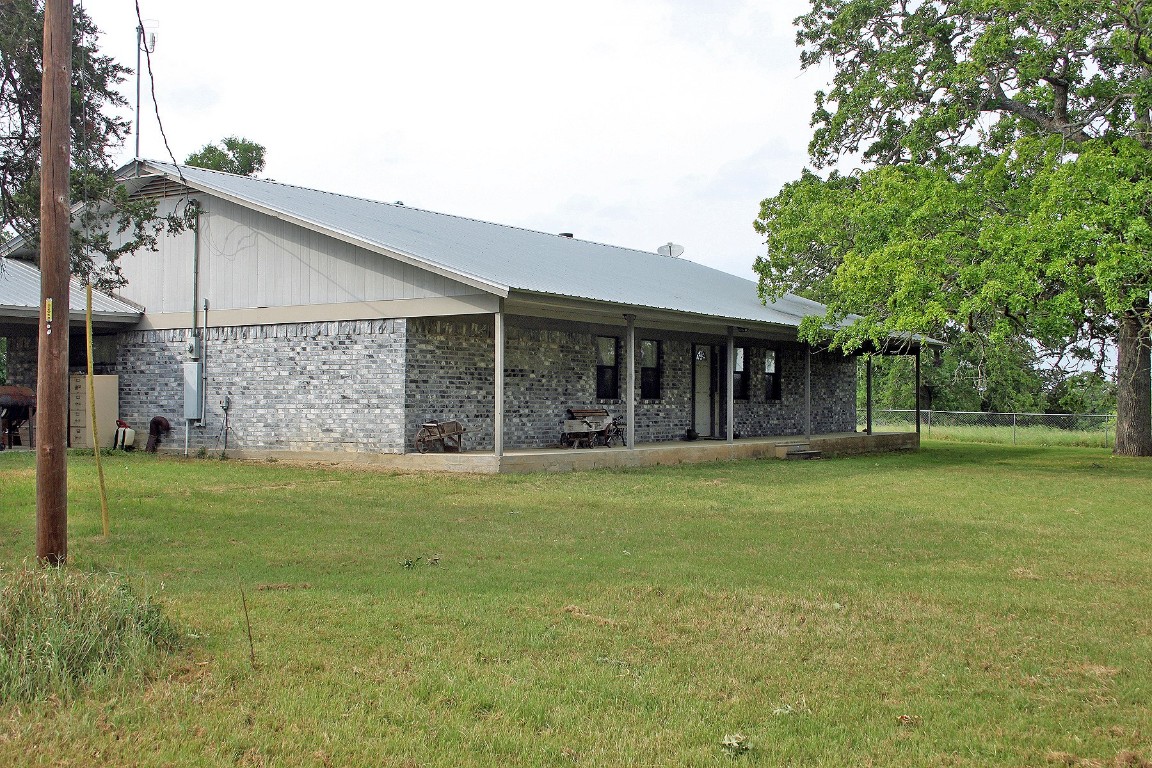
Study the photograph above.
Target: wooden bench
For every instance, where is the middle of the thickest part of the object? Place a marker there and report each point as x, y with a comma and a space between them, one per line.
590, 426
449, 435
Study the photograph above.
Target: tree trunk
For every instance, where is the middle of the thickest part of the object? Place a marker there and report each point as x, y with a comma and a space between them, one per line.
1134, 385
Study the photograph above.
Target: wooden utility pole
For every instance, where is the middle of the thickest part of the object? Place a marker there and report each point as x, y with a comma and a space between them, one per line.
55, 228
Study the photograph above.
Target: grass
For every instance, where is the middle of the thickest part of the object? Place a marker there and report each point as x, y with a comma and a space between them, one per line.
1032, 435
62, 629
964, 606
1004, 435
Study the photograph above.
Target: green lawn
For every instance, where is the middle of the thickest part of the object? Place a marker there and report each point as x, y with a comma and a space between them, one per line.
996, 597
1103, 436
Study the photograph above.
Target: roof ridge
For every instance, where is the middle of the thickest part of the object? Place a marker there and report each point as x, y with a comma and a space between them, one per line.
428, 210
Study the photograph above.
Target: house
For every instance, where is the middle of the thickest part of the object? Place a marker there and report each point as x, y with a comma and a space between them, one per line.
298, 320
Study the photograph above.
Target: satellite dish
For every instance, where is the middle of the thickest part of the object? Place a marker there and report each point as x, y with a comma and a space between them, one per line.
670, 249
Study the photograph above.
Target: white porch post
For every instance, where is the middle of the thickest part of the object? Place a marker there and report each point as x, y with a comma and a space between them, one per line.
731, 378
498, 415
807, 391
631, 381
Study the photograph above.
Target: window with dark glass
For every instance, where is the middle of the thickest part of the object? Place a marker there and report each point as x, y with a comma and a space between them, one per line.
651, 360
740, 374
607, 367
772, 375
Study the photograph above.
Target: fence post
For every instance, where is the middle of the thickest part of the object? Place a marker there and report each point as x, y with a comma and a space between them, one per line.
1013, 429
929, 423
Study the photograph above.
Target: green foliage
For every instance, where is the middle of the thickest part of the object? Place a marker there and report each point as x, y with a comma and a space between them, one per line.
96, 132
1083, 392
967, 375
942, 81
1010, 154
61, 629
1025, 243
233, 155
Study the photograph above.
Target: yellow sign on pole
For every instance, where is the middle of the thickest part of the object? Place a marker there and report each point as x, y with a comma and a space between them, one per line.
48, 310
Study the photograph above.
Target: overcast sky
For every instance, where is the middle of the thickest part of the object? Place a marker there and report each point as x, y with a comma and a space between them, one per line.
630, 122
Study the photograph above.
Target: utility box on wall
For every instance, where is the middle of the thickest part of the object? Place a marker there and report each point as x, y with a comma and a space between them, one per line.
107, 389
193, 391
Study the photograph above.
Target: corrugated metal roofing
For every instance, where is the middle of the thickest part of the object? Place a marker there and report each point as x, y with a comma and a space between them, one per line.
20, 290
509, 258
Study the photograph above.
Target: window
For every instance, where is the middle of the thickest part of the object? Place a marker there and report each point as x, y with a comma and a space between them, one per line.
772, 375
607, 368
740, 375
651, 361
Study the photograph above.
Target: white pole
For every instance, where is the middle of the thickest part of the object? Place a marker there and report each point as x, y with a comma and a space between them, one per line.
807, 392
731, 380
498, 415
631, 381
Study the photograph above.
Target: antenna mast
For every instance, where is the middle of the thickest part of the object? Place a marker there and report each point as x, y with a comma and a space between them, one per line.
145, 43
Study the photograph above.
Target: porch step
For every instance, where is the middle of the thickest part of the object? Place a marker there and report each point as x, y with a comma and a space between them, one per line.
800, 455
796, 451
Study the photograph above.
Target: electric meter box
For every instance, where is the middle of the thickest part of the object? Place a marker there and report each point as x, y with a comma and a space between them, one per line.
193, 392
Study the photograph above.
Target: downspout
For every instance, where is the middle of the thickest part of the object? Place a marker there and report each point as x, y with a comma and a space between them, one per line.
195, 272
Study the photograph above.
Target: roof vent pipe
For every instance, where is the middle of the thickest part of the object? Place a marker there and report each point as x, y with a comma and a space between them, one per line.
566, 234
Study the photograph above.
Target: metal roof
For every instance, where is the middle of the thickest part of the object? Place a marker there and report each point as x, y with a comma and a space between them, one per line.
20, 296
499, 258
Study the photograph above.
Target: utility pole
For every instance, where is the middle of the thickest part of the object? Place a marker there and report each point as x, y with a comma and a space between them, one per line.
55, 229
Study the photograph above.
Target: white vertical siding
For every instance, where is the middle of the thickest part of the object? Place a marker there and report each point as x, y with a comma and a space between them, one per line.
250, 259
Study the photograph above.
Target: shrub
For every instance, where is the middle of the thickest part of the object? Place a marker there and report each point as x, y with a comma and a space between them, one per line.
61, 629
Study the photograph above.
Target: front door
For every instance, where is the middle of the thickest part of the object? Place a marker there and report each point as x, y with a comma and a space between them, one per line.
704, 390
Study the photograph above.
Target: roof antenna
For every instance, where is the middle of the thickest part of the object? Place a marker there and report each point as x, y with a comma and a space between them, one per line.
670, 249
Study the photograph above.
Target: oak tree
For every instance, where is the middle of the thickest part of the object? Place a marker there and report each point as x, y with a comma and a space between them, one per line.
234, 154
1007, 186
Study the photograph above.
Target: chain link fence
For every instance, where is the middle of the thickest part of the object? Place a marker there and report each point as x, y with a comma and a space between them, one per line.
1072, 429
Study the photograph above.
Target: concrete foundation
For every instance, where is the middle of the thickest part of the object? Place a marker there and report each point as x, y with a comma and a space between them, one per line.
578, 460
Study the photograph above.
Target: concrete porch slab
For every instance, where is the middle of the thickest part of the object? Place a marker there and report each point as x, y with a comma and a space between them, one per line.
583, 459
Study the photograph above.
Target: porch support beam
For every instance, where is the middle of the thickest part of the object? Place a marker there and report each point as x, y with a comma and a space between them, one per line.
731, 396
868, 394
917, 390
631, 345
807, 391
498, 409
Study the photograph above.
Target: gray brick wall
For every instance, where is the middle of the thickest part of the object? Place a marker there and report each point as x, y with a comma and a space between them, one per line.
669, 417
833, 394
335, 386
450, 375
22, 361
549, 367
366, 386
